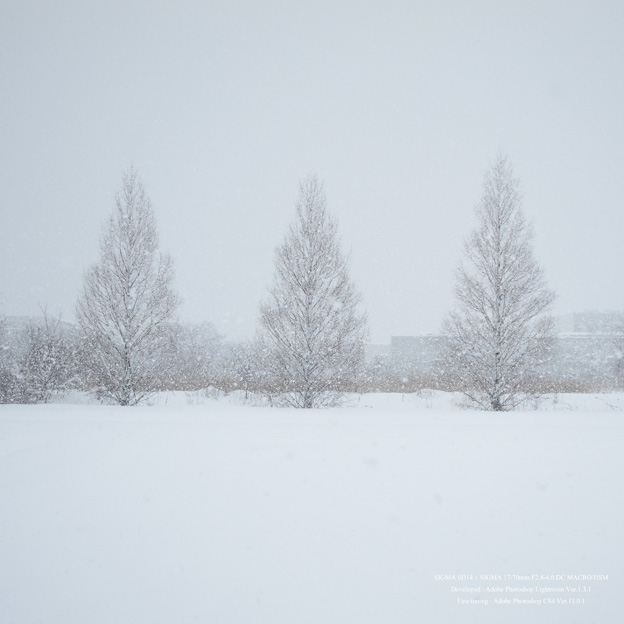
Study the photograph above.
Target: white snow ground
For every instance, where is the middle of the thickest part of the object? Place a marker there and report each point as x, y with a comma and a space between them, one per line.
217, 513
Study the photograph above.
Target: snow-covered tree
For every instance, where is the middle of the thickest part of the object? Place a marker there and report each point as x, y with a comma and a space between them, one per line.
127, 301
8, 377
45, 360
617, 341
499, 331
239, 369
193, 356
312, 330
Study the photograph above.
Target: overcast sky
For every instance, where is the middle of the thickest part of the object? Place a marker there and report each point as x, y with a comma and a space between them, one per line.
224, 107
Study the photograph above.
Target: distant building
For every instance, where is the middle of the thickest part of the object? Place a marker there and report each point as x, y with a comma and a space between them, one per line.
374, 352
586, 349
15, 325
417, 354
590, 357
590, 322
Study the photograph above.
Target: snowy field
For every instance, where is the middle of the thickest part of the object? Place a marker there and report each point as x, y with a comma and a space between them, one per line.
198, 510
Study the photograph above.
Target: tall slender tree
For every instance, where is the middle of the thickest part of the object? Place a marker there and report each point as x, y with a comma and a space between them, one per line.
499, 330
312, 330
126, 301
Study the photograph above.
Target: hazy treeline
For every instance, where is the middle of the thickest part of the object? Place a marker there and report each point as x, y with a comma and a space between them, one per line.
44, 358
309, 350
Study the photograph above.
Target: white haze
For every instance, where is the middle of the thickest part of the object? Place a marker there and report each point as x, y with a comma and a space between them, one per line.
225, 106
